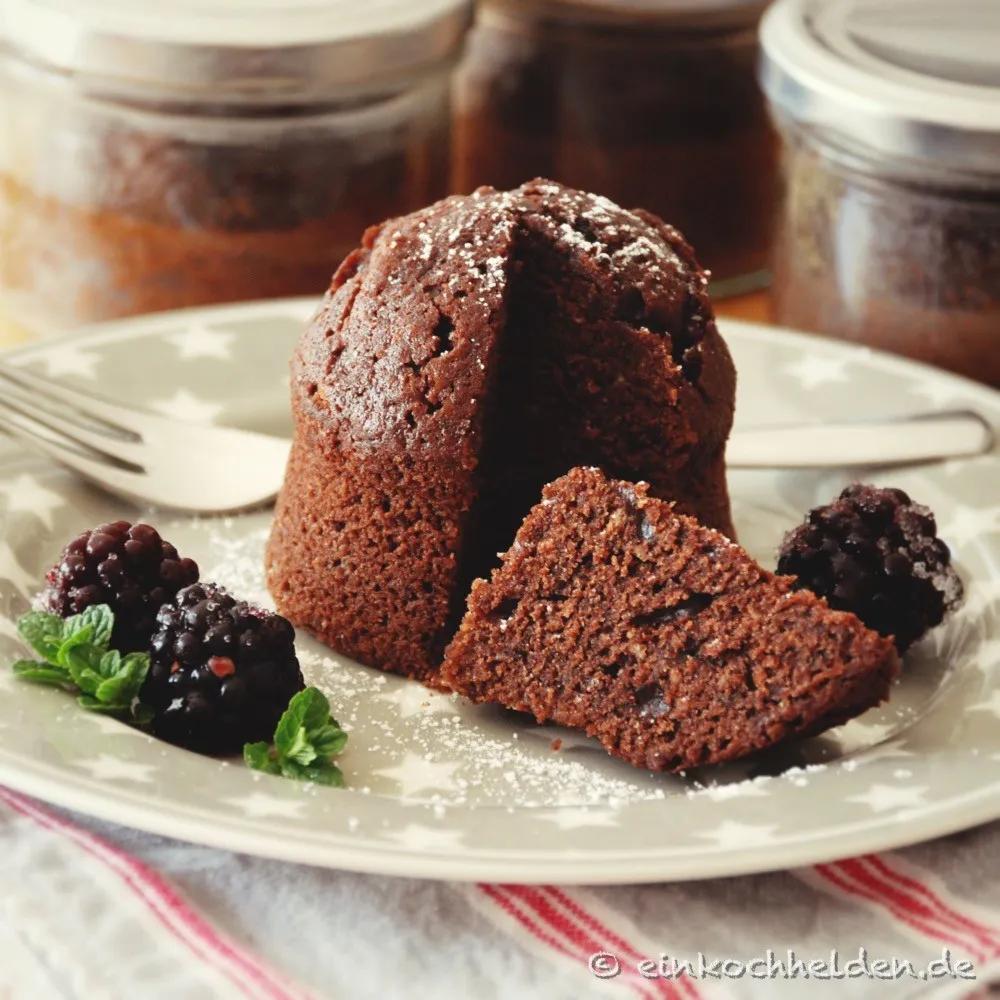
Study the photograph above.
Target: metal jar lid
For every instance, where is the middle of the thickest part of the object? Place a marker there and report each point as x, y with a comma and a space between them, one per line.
913, 79
252, 49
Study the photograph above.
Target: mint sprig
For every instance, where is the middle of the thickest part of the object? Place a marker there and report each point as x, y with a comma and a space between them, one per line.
74, 655
305, 740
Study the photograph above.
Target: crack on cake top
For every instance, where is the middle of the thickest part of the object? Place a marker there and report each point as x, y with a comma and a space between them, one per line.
458, 255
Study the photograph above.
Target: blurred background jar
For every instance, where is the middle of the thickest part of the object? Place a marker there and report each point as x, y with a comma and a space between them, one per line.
653, 103
205, 152
890, 114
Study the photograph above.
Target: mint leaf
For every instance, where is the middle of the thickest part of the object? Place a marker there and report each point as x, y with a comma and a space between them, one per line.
287, 732
81, 660
42, 632
41, 673
92, 704
329, 740
321, 774
99, 618
298, 747
76, 655
314, 707
305, 739
116, 680
74, 652
258, 756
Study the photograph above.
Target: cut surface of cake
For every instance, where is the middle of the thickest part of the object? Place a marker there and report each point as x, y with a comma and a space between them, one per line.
464, 356
662, 638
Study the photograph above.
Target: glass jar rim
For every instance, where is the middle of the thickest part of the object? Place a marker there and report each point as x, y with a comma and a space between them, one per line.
235, 49
886, 74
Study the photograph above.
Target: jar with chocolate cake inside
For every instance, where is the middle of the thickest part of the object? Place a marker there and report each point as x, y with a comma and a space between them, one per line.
652, 104
206, 155
890, 234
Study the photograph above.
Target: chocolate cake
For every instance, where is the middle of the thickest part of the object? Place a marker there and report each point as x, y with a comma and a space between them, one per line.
464, 356
614, 614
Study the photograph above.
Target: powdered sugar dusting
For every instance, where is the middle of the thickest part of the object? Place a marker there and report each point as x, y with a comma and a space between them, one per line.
409, 742
405, 736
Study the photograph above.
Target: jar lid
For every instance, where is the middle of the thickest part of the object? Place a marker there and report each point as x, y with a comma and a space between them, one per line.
689, 14
236, 48
917, 79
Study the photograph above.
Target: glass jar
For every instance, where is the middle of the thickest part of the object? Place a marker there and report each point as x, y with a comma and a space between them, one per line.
223, 157
653, 104
890, 233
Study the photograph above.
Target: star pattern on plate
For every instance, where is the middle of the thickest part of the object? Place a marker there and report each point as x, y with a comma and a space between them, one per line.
883, 798
183, 406
416, 774
26, 495
201, 341
108, 767
260, 805
13, 572
576, 817
69, 359
730, 833
415, 699
812, 370
418, 837
980, 595
969, 523
991, 704
986, 656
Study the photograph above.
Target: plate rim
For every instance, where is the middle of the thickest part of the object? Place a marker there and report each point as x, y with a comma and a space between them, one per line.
572, 867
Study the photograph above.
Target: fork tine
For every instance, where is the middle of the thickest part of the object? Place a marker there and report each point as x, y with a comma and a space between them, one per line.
90, 464
32, 402
120, 416
75, 433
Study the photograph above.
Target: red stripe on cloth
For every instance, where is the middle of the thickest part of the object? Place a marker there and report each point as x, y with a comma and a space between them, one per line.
252, 978
902, 902
929, 928
988, 936
589, 920
512, 909
579, 938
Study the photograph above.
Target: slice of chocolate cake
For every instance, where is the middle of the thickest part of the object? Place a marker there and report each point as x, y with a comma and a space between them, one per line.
660, 637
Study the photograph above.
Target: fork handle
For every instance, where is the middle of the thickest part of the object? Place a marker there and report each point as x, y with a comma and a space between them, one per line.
898, 441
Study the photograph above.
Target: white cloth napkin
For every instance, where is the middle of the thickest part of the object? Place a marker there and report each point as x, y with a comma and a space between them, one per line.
91, 910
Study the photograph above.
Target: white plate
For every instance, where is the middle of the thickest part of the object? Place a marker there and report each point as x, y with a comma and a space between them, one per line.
441, 789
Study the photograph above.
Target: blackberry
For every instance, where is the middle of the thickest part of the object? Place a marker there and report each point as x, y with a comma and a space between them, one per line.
126, 566
876, 553
221, 671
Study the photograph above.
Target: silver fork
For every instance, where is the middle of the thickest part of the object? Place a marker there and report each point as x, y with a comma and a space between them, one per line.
207, 469
140, 456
